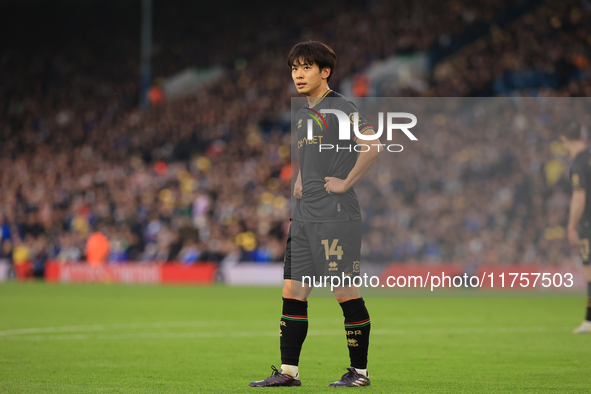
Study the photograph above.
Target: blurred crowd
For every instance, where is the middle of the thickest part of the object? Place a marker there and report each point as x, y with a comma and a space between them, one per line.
207, 177
485, 183
546, 49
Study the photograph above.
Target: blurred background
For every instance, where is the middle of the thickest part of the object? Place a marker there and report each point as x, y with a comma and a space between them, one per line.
157, 133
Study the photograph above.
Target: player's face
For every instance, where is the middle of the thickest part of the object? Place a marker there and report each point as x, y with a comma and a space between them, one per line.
309, 79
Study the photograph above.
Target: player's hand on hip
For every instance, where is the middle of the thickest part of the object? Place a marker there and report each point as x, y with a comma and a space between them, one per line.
573, 237
335, 185
297, 191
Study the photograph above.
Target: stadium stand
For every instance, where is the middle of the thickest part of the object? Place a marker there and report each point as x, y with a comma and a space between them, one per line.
546, 49
206, 177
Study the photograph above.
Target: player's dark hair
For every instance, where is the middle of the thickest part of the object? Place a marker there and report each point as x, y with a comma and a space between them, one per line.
571, 131
311, 52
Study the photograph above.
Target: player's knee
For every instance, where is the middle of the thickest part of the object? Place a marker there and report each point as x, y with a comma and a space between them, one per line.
346, 293
287, 288
341, 300
286, 292
295, 291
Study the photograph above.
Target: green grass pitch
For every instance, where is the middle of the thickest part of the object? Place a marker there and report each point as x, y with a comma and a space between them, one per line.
168, 339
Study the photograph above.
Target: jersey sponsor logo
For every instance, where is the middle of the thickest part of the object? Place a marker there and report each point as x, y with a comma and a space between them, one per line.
576, 180
356, 266
299, 123
333, 266
314, 141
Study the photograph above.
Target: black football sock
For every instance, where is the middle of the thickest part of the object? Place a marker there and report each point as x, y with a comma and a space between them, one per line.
357, 327
293, 330
588, 316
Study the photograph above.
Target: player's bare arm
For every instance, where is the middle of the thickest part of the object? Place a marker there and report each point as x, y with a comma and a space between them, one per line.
297, 187
577, 207
365, 161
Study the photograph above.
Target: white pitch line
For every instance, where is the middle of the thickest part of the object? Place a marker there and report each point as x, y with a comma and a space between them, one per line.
93, 327
146, 335
197, 323
251, 334
122, 326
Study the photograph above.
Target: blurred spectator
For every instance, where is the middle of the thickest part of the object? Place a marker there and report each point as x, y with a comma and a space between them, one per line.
189, 253
21, 256
68, 252
6, 250
40, 257
155, 96
97, 248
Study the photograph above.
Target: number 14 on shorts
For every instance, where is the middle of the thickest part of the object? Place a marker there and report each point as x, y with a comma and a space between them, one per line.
334, 250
